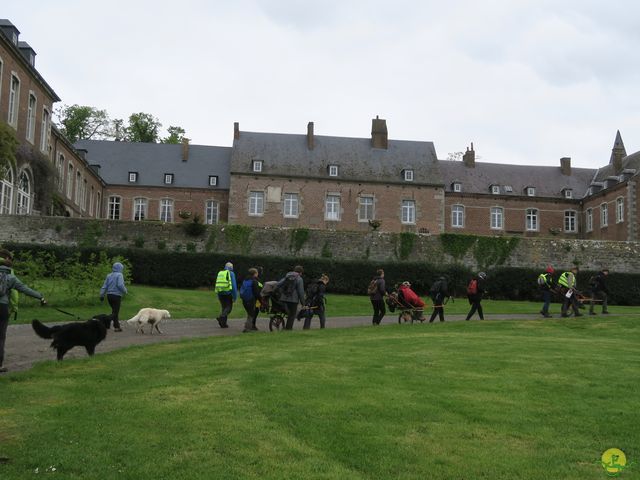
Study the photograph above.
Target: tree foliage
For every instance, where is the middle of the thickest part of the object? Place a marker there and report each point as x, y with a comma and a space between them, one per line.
175, 135
82, 122
143, 127
8, 147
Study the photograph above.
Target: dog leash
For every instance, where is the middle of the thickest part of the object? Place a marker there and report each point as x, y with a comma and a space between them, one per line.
67, 313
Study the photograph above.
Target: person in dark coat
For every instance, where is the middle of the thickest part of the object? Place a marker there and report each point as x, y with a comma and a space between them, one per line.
475, 297
546, 285
291, 289
438, 292
250, 293
599, 290
315, 302
376, 295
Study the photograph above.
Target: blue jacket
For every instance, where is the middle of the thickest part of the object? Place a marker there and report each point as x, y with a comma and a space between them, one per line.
14, 283
114, 283
234, 286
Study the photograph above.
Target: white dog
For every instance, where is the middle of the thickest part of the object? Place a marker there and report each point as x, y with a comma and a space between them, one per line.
149, 316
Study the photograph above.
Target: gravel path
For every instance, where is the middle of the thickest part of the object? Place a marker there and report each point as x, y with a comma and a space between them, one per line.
24, 348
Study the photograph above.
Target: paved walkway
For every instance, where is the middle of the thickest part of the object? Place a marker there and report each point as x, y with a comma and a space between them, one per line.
24, 348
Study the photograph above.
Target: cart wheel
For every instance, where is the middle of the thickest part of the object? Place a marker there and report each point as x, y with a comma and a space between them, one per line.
276, 323
400, 318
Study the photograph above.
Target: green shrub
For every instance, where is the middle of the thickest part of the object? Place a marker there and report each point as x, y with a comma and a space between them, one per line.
161, 245
138, 242
194, 227
190, 247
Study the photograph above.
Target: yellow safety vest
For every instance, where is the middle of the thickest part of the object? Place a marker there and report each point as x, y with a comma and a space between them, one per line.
223, 281
567, 280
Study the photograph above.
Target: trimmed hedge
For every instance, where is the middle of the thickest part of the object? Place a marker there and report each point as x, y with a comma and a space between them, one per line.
191, 270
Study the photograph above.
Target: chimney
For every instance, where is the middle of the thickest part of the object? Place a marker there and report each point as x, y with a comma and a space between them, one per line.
185, 149
379, 135
236, 130
565, 166
618, 152
310, 140
469, 157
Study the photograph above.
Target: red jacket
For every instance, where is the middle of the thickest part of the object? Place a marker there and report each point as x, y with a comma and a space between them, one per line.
411, 297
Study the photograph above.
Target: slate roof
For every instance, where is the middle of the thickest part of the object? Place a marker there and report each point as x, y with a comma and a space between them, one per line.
287, 155
153, 160
548, 181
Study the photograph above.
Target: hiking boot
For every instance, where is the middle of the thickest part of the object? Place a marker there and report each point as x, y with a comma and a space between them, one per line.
4, 369
219, 321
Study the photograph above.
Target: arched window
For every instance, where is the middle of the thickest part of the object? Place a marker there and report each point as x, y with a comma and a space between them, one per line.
24, 195
6, 191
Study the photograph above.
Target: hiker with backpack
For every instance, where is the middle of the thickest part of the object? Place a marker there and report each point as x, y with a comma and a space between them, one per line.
377, 290
291, 289
599, 291
250, 293
475, 290
438, 292
8, 283
567, 283
314, 302
546, 285
227, 291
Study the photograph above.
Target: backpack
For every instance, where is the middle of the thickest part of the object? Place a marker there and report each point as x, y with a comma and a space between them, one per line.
472, 288
542, 280
246, 290
312, 294
593, 281
436, 288
288, 285
373, 287
3, 284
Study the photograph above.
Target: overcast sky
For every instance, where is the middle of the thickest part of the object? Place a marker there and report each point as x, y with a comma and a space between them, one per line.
527, 81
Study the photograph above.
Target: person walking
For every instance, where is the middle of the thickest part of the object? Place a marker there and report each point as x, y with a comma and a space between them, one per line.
438, 292
546, 285
114, 288
250, 293
292, 294
8, 283
315, 302
377, 290
227, 291
475, 291
599, 291
568, 288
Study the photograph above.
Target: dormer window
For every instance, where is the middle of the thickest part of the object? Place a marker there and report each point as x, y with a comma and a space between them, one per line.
508, 188
133, 177
333, 170
168, 178
213, 180
14, 38
495, 189
568, 193
457, 187
257, 166
531, 192
408, 175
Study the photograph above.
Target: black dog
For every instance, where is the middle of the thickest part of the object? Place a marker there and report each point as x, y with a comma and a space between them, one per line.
106, 319
77, 334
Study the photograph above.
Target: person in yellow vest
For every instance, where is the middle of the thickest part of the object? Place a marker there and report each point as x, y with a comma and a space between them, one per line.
568, 283
227, 291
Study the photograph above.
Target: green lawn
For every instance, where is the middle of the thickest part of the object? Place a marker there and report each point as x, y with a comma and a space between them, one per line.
204, 304
495, 400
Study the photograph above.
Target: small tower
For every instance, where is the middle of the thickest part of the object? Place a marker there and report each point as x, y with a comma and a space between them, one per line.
618, 152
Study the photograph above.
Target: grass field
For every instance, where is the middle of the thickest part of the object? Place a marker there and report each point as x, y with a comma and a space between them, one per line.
204, 304
495, 400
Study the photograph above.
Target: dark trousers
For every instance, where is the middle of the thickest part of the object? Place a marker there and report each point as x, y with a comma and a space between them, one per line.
255, 316
438, 308
114, 303
226, 304
476, 306
598, 294
4, 323
566, 302
378, 311
309, 315
250, 308
546, 298
292, 310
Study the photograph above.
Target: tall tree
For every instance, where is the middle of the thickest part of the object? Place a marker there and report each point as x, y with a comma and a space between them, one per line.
176, 135
82, 122
143, 127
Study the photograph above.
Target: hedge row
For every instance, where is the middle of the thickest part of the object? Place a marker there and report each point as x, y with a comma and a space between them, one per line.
190, 270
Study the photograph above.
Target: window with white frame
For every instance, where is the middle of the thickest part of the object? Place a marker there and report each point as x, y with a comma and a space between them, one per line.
570, 223
69, 180
408, 175
6, 191
98, 205
166, 210
531, 219
256, 203
333, 170
115, 204
23, 206
44, 134
568, 193
256, 166
332, 207
60, 170
457, 187
1, 72
497, 218
213, 180
76, 197
290, 207
457, 216
495, 189
589, 220
31, 117
365, 209
91, 195
531, 191
133, 177
140, 209
211, 212
14, 99
508, 188
604, 215
619, 210
408, 212
83, 199
168, 178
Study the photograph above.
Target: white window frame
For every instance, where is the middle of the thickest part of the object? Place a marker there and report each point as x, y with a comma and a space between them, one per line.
457, 216
70, 171
332, 207
508, 189
256, 204
6, 192
140, 209
44, 134
133, 177
211, 212
98, 206
570, 221
168, 178
496, 218
604, 215
532, 220
366, 208
290, 205
91, 195
166, 210
531, 191
23, 196
114, 207
408, 212
408, 175
60, 169
619, 210
495, 189
14, 101
457, 187
83, 197
256, 166
31, 117
568, 193
589, 220
213, 180
78, 192
333, 170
